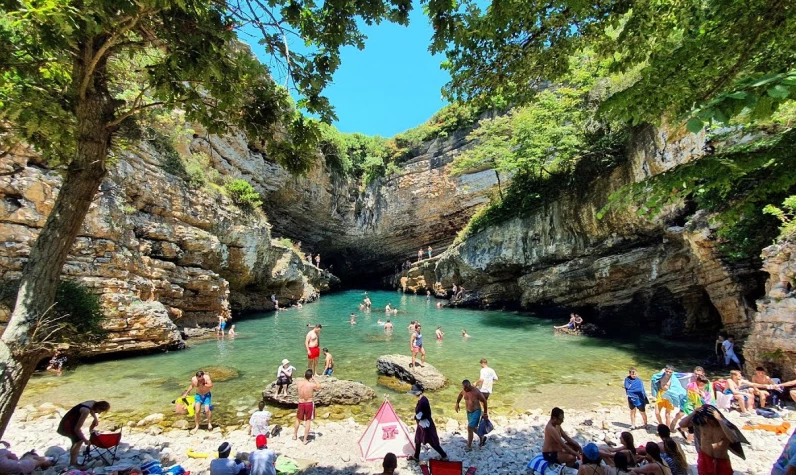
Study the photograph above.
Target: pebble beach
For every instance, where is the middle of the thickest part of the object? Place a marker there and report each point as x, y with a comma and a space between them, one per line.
333, 447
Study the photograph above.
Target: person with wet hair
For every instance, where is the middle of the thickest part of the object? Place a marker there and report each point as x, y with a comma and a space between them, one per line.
655, 464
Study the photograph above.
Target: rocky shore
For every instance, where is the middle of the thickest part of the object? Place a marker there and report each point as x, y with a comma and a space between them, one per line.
333, 448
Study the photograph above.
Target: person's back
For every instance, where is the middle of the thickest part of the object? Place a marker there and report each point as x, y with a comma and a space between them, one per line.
262, 462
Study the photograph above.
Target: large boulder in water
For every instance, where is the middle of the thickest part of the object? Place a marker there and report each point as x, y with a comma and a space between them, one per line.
333, 391
427, 376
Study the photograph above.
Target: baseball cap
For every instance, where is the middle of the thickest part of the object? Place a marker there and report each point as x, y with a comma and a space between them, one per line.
285, 361
260, 441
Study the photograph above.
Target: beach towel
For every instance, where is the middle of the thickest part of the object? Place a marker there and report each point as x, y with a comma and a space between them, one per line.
696, 398
538, 465
636, 393
676, 394
777, 429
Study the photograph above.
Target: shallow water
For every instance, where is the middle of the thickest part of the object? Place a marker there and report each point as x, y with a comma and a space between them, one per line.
536, 367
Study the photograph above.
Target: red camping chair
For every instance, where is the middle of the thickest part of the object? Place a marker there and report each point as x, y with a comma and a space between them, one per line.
102, 446
439, 467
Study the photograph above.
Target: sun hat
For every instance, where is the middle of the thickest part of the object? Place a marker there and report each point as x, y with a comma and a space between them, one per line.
591, 452
416, 390
260, 441
285, 361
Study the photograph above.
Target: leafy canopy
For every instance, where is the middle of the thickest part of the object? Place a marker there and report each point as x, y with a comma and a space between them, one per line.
680, 54
175, 54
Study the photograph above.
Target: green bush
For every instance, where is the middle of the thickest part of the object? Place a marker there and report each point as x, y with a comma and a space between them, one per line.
243, 194
76, 316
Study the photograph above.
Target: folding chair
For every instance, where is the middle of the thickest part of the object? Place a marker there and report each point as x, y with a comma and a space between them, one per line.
439, 467
102, 446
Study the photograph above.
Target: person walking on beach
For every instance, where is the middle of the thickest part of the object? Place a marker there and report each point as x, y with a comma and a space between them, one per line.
71, 426
669, 395
202, 384
328, 368
636, 397
312, 343
714, 436
426, 432
473, 399
486, 379
728, 347
558, 447
416, 344
306, 404
284, 376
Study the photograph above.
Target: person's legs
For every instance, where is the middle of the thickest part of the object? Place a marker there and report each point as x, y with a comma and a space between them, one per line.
644, 414
658, 409
197, 412
438, 448
741, 401
668, 417
209, 414
307, 424
677, 417
763, 395
298, 423
414, 355
422, 356
566, 458
632, 417
470, 432
74, 451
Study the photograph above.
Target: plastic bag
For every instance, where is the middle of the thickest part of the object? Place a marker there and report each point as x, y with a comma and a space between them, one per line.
485, 427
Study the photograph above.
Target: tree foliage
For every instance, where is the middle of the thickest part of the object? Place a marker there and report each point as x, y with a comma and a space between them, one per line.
243, 194
680, 55
787, 216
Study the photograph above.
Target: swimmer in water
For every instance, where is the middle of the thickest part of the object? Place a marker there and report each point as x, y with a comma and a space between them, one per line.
388, 325
464, 333
388, 309
440, 333
232, 331
439, 304
379, 322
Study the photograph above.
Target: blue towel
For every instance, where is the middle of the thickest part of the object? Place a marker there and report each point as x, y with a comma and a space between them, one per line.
636, 392
676, 393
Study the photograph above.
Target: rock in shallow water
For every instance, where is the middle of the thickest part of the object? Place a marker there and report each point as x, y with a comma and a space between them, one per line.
398, 366
333, 391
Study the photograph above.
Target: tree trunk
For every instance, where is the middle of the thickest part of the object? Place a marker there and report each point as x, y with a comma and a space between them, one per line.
20, 349
500, 189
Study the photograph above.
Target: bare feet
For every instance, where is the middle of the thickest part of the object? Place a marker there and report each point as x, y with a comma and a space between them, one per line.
195, 430
209, 426
295, 438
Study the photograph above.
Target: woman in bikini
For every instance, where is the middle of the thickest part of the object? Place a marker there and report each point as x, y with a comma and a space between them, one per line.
655, 464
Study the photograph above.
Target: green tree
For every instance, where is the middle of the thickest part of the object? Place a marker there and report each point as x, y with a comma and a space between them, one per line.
678, 54
76, 74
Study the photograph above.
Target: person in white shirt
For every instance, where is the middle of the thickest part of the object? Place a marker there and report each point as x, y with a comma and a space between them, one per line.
262, 460
729, 352
258, 422
223, 465
284, 376
488, 377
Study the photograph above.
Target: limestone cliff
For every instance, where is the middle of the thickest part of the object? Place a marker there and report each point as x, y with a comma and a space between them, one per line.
160, 254
622, 269
773, 339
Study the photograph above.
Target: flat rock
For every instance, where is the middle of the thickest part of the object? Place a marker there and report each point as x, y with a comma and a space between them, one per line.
333, 391
398, 366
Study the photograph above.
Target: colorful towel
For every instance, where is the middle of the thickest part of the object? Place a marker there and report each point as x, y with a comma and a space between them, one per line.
675, 395
696, 398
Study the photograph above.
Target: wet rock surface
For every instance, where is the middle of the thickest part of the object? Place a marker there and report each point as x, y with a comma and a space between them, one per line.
333, 391
398, 366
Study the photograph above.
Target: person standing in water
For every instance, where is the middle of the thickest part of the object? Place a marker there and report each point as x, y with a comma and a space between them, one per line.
203, 384
464, 333
71, 426
312, 343
388, 325
439, 333
486, 379
416, 343
329, 363
306, 404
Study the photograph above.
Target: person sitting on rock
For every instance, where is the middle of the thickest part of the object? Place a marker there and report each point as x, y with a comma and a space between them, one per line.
569, 326
71, 425
284, 376
578, 321
223, 465
262, 460
258, 422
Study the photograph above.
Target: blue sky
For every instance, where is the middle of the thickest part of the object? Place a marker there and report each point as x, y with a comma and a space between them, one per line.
390, 86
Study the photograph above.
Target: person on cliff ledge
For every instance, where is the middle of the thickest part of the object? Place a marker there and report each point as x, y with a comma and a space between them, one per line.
202, 383
313, 343
430, 251
419, 255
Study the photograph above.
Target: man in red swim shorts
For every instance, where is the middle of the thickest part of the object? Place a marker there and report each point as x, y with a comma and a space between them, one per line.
313, 345
714, 436
306, 408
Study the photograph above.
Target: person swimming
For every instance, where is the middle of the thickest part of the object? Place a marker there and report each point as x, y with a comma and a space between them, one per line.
464, 333
379, 322
439, 333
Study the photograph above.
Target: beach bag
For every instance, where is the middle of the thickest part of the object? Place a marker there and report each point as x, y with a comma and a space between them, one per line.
485, 427
767, 413
152, 467
174, 470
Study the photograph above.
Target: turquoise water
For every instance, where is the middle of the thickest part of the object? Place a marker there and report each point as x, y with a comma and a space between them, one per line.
536, 367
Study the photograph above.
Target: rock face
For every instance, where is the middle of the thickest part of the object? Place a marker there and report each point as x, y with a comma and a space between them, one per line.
427, 376
663, 273
772, 342
333, 391
159, 254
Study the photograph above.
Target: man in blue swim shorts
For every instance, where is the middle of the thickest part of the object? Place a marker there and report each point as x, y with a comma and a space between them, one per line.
202, 384
473, 399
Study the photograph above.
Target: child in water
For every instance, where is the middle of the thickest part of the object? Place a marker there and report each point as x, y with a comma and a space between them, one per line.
231, 332
440, 334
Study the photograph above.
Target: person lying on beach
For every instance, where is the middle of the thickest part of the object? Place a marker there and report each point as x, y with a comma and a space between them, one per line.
10, 463
558, 447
